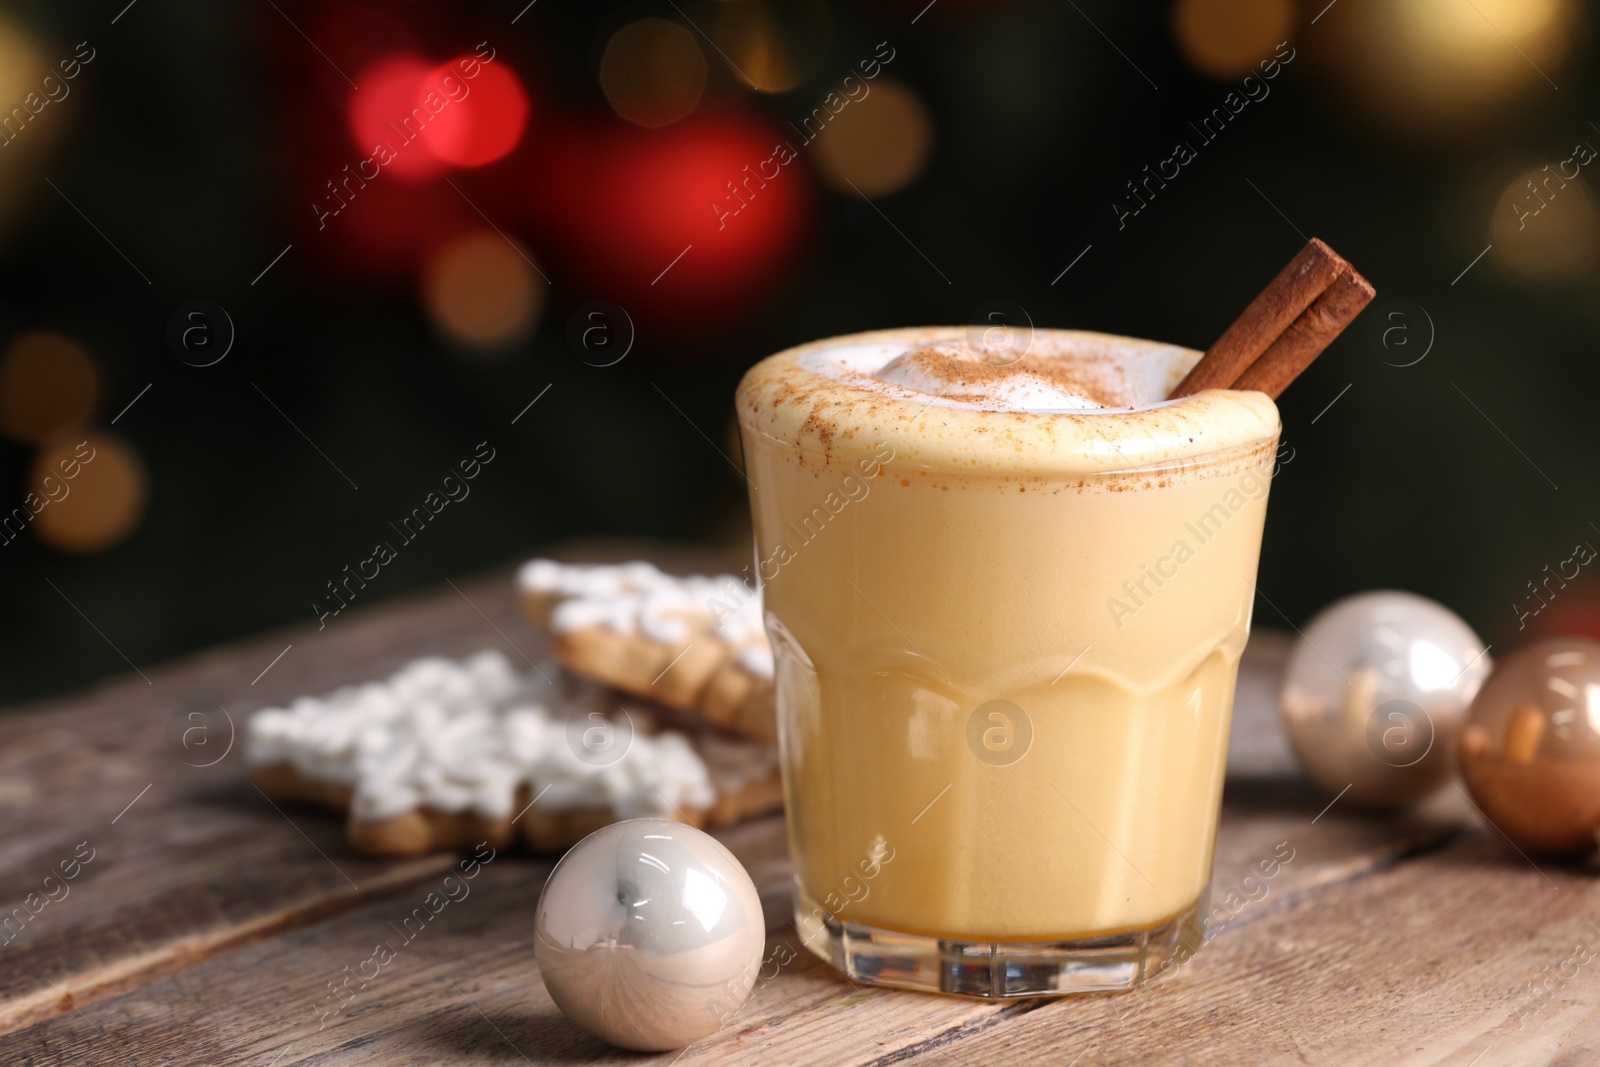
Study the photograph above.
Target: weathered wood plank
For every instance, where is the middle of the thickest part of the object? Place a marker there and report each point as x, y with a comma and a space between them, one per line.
260, 1001
1428, 962
189, 861
207, 928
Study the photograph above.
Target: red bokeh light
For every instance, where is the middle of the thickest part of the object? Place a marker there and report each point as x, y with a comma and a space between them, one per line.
431, 117
486, 122
389, 228
624, 203
390, 89
1576, 615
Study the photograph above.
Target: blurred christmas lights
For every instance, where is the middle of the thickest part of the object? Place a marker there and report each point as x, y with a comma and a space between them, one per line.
48, 386
691, 226
878, 145
1429, 71
99, 507
1224, 39
22, 65
377, 114
1546, 228
486, 120
416, 119
653, 72
481, 291
28, 85
772, 45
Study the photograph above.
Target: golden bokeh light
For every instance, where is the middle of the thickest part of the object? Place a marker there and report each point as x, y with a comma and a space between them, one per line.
22, 66
774, 45
876, 145
38, 111
1483, 26
90, 492
653, 72
482, 291
1226, 39
1546, 227
48, 385
1444, 70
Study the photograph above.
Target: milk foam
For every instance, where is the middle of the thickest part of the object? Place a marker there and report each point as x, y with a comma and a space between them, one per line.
1016, 389
1011, 370
1022, 403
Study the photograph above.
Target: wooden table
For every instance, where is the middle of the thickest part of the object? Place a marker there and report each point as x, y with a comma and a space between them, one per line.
209, 924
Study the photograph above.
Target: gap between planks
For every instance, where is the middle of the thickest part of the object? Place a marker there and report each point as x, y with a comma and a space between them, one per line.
1425, 846
123, 975
133, 972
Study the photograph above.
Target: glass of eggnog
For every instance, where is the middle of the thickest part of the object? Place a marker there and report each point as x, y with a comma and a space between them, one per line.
1007, 584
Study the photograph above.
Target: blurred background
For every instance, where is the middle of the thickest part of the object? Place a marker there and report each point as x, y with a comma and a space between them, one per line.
270, 271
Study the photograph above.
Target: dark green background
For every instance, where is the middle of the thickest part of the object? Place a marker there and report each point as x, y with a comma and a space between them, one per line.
179, 144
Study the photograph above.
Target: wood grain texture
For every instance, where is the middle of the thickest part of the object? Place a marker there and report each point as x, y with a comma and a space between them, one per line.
209, 926
189, 859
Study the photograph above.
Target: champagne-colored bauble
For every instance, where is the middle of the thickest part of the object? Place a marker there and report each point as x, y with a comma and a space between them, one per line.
649, 934
1375, 693
1530, 752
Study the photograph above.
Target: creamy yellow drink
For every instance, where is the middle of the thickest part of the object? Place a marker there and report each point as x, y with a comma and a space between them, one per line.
1007, 595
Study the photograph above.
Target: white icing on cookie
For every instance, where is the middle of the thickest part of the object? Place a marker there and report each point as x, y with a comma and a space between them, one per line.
637, 598
452, 736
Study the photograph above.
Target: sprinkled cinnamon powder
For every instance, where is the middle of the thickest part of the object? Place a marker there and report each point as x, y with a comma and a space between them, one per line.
973, 374
1076, 403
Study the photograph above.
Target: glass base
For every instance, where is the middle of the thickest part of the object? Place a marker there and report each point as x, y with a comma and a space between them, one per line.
1116, 963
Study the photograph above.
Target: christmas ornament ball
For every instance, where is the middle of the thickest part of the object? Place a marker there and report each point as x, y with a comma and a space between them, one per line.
649, 934
1530, 751
1374, 695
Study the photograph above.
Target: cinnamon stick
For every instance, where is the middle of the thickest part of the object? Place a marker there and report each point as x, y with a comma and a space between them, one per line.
1292, 320
1307, 336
